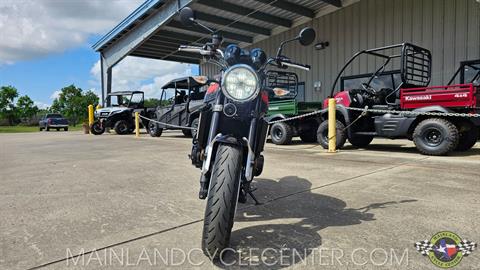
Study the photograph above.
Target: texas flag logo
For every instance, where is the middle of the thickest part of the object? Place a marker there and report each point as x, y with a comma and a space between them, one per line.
445, 249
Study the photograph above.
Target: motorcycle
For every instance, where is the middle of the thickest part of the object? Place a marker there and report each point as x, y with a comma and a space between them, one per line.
232, 131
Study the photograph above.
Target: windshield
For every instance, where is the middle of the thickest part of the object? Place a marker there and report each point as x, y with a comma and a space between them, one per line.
116, 101
391, 81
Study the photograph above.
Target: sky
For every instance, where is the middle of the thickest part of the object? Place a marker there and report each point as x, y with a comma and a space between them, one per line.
47, 44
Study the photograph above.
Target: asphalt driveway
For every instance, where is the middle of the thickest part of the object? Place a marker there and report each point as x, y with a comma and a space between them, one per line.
126, 202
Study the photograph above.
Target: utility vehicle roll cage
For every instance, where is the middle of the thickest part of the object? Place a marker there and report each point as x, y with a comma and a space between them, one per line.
130, 95
285, 80
474, 65
415, 64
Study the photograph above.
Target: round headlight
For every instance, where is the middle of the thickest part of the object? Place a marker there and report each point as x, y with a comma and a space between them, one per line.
240, 83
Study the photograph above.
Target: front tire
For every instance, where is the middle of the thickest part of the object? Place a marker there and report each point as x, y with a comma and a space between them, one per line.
97, 128
154, 130
194, 125
322, 134
281, 133
222, 200
121, 127
65, 129
435, 137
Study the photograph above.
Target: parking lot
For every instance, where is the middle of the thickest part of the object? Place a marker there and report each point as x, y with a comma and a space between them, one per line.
64, 194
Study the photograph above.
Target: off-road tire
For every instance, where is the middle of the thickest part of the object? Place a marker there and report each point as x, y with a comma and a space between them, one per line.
281, 133
360, 141
121, 127
57, 129
222, 200
322, 134
467, 138
47, 129
96, 129
195, 124
309, 136
40, 128
65, 129
154, 130
435, 137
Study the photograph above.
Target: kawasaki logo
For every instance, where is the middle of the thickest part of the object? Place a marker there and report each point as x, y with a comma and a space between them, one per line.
414, 98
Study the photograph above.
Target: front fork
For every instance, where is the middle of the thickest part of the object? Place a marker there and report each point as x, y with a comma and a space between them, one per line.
213, 138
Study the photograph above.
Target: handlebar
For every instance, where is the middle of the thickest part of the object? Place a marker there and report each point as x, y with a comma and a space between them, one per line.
205, 51
289, 63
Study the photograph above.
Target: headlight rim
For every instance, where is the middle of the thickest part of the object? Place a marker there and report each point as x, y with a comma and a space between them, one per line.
257, 79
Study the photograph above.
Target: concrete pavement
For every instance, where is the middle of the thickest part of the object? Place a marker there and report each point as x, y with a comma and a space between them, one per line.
127, 202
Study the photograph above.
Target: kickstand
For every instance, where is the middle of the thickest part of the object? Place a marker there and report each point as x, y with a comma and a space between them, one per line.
250, 192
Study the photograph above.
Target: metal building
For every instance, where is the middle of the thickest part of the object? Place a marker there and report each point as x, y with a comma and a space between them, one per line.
449, 28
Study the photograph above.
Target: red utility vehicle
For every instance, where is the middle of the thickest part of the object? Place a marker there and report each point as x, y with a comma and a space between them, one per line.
400, 104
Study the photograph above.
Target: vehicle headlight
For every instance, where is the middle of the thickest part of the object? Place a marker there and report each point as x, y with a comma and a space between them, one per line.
240, 83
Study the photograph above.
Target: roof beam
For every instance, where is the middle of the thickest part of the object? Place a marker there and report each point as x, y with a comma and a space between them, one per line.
164, 53
337, 3
133, 39
170, 58
233, 24
244, 11
225, 34
291, 7
179, 37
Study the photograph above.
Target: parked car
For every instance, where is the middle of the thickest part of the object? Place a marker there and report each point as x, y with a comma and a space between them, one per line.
120, 115
180, 105
53, 120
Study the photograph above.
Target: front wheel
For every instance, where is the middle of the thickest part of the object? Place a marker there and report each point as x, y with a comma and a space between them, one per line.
121, 127
435, 137
322, 134
222, 200
97, 128
281, 133
154, 129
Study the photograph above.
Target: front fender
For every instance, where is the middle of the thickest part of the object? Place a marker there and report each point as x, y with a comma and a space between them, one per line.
275, 117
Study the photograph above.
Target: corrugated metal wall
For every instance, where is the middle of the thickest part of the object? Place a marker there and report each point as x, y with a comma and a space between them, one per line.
449, 28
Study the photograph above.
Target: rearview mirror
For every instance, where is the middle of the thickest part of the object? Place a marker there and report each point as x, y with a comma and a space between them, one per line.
306, 36
187, 16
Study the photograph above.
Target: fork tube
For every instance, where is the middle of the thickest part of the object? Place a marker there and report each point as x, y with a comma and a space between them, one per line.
214, 122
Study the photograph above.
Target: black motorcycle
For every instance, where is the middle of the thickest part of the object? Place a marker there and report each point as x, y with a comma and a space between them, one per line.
232, 130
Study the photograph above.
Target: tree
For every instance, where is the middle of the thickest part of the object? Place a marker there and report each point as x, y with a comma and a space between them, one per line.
7, 107
72, 103
26, 107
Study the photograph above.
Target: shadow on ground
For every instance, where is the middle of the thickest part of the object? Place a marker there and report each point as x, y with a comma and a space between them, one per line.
293, 225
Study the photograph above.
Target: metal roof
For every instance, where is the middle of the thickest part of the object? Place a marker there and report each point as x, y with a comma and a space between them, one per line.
240, 22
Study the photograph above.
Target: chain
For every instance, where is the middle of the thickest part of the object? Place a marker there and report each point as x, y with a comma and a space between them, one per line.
166, 124
364, 112
366, 109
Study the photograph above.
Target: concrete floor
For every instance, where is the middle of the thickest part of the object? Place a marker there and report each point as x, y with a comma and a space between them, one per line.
127, 202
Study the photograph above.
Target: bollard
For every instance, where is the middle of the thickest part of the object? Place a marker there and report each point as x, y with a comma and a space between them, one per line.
332, 126
90, 117
98, 107
137, 124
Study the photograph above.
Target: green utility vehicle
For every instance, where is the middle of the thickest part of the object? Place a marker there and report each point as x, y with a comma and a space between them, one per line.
289, 101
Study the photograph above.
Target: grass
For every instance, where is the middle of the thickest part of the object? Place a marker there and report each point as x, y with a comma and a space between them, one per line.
23, 129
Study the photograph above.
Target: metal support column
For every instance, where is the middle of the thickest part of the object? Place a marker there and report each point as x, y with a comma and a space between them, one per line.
106, 80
